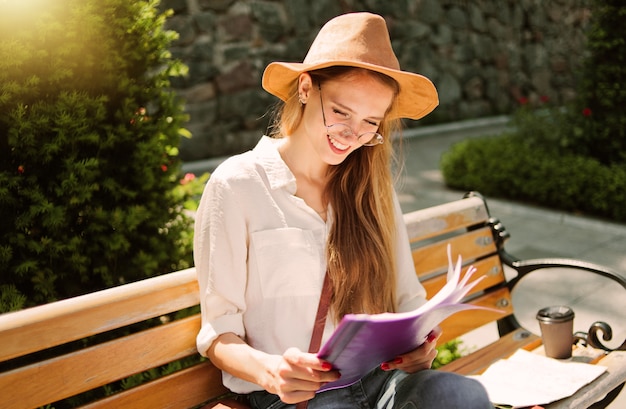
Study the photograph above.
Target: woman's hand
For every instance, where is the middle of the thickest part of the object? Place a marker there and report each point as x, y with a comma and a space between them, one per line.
418, 359
296, 376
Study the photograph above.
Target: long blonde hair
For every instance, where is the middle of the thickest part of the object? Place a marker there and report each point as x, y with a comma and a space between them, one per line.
361, 243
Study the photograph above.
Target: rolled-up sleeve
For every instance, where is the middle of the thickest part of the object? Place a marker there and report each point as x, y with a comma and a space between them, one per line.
220, 254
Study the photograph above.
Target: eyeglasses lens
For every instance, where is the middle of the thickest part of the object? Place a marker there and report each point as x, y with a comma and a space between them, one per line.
343, 131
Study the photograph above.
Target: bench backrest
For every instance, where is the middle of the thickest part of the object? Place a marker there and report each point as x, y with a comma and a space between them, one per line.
34, 379
465, 225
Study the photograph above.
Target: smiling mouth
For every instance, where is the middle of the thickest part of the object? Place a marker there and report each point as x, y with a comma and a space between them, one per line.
338, 144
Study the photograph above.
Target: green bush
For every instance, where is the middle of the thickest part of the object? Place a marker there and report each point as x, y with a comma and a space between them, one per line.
507, 167
89, 136
447, 353
602, 90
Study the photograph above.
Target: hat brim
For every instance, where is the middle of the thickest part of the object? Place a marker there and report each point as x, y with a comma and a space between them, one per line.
416, 99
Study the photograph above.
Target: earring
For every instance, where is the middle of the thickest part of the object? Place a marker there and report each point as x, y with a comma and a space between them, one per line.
301, 100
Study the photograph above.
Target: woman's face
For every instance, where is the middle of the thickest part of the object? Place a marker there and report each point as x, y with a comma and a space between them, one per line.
359, 101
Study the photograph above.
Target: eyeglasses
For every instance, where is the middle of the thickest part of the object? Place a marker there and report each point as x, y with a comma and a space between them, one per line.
343, 131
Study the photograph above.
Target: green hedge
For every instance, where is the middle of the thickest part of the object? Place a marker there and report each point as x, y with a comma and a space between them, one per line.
506, 167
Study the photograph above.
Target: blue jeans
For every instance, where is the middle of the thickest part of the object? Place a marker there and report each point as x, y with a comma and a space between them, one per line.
393, 389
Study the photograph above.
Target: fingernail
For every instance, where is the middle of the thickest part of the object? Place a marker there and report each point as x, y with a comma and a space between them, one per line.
431, 337
327, 366
398, 360
384, 366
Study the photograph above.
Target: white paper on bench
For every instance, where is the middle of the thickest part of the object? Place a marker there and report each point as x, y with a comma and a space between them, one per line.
527, 379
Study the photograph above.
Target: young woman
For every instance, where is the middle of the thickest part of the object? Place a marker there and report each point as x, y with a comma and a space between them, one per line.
311, 213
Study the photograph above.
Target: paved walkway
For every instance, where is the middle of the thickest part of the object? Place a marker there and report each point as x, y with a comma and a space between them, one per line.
535, 232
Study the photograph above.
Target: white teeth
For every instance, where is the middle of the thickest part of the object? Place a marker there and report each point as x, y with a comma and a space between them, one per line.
337, 144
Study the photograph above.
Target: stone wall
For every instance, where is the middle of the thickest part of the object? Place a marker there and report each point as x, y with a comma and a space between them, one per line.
482, 55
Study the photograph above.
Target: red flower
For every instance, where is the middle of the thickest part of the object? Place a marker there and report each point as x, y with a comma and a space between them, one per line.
140, 116
586, 112
164, 168
20, 169
522, 100
188, 178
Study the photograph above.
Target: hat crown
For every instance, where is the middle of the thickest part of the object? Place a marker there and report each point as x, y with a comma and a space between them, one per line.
358, 40
355, 37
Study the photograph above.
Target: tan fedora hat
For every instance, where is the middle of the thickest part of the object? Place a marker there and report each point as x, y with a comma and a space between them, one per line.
356, 40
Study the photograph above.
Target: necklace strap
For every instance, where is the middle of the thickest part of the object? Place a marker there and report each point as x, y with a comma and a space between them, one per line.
320, 318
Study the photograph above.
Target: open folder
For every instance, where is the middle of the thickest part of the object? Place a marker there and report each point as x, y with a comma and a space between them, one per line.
361, 342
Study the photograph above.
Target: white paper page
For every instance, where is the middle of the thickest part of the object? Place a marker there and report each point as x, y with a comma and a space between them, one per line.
455, 288
527, 379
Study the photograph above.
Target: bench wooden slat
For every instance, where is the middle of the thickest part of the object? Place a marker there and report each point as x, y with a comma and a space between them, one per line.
99, 365
445, 218
480, 360
465, 321
433, 258
183, 389
33, 329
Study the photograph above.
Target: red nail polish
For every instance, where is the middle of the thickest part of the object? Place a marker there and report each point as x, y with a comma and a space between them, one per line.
327, 366
398, 360
431, 337
384, 366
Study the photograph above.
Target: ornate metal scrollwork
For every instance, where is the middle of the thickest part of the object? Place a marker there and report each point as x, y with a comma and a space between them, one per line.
591, 338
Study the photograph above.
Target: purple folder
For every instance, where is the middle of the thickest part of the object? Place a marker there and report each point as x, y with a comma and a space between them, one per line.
361, 342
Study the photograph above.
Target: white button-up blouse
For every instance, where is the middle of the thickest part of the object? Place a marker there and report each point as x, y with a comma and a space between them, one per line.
260, 257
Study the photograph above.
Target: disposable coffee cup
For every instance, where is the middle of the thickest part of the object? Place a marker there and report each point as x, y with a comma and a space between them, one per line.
557, 330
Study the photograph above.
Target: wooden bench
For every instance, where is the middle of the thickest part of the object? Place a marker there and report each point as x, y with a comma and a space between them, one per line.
55, 351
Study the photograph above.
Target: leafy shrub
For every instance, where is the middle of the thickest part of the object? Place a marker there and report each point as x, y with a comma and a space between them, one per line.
602, 91
89, 135
447, 353
507, 167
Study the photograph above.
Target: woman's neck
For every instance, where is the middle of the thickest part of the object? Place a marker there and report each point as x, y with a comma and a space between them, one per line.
302, 161
311, 174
